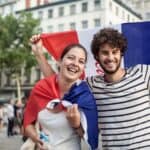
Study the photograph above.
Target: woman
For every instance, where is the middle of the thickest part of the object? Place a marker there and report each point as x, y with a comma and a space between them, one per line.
50, 98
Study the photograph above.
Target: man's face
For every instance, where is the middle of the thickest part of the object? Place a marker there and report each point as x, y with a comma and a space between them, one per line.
109, 58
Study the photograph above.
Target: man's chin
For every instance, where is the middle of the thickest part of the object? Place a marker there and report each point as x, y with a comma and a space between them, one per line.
110, 71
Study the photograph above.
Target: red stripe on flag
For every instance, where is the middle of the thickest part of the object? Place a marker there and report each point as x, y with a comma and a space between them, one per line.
56, 42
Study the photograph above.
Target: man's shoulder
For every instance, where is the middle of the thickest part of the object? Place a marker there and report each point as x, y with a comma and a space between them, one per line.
94, 77
139, 68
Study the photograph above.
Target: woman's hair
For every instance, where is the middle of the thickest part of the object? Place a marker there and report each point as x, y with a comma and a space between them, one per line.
108, 36
69, 47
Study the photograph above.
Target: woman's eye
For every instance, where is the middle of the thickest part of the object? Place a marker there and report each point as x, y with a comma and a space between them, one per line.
70, 57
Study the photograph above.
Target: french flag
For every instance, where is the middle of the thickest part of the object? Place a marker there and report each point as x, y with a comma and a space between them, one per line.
137, 34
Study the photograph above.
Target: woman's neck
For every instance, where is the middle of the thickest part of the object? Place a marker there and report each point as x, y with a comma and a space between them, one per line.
64, 86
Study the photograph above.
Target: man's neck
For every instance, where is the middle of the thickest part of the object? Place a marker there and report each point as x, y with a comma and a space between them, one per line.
117, 76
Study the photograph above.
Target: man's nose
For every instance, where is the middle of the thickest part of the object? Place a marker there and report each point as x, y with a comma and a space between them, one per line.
110, 56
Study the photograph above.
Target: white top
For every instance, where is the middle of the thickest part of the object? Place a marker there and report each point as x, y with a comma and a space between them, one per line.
61, 135
10, 111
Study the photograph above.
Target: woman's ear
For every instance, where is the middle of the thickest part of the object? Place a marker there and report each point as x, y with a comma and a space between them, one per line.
58, 65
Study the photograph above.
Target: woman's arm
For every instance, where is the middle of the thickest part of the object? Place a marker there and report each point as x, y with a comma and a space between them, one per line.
37, 48
31, 132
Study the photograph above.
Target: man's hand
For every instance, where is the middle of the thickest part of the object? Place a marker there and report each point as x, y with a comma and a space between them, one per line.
73, 116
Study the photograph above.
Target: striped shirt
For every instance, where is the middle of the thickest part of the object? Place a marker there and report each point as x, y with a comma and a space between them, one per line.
124, 109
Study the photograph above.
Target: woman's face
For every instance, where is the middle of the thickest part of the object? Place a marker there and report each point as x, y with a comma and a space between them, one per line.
72, 64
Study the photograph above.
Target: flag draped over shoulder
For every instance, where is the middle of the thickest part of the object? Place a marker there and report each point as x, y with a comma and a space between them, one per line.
43, 92
46, 90
82, 95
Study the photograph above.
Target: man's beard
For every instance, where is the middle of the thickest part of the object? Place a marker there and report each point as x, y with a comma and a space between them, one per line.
110, 71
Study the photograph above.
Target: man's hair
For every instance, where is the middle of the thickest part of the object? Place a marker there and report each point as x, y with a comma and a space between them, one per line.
108, 36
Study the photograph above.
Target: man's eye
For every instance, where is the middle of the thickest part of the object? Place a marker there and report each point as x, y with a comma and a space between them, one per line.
82, 62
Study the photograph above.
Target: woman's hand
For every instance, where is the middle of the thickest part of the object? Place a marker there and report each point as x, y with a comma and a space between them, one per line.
36, 44
41, 145
73, 116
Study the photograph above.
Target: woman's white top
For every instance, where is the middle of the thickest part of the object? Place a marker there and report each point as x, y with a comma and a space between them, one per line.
61, 135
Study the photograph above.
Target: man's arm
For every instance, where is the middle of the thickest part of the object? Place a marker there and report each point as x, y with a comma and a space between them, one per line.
37, 48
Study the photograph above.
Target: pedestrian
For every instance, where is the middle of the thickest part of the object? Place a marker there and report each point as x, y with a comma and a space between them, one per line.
1, 116
10, 116
122, 94
49, 101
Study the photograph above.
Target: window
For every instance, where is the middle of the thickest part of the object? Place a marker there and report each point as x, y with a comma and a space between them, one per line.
61, 11
72, 9
50, 28
147, 15
123, 14
40, 15
128, 17
110, 6
84, 7
97, 4
117, 11
50, 13
84, 24
38, 74
72, 26
61, 27
97, 22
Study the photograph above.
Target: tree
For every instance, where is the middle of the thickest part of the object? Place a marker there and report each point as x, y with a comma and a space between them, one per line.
15, 51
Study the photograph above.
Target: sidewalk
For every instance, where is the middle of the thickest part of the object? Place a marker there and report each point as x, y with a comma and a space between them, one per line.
11, 143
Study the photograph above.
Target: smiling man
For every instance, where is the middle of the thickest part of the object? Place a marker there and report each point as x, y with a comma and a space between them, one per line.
122, 95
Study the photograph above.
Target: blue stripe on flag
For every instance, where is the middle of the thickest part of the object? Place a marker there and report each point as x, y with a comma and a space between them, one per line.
138, 36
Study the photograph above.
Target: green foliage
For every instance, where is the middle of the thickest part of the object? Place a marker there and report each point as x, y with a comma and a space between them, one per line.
15, 51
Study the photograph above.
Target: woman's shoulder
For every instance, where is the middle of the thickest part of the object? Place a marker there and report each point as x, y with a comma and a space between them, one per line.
46, 82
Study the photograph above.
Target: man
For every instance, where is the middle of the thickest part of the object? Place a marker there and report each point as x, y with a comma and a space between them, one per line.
122, 95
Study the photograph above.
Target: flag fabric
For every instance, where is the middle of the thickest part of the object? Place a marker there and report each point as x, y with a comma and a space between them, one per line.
46, 91
137, 34
80, 94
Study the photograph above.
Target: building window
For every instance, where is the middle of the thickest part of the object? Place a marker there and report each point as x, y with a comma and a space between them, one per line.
147, 15
84, 7
40, 15
38, 74
128, 17
97, 22
116, 11
50, 13
123, 15
50, 28
84, 24
72, 26
61, 11
61, 27
97, 4
11, 8
72, 9
110, 6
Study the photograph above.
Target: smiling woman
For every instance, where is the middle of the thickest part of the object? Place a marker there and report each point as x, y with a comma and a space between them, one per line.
46, 104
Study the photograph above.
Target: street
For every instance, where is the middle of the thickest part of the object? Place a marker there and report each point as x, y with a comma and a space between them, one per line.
11, 143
